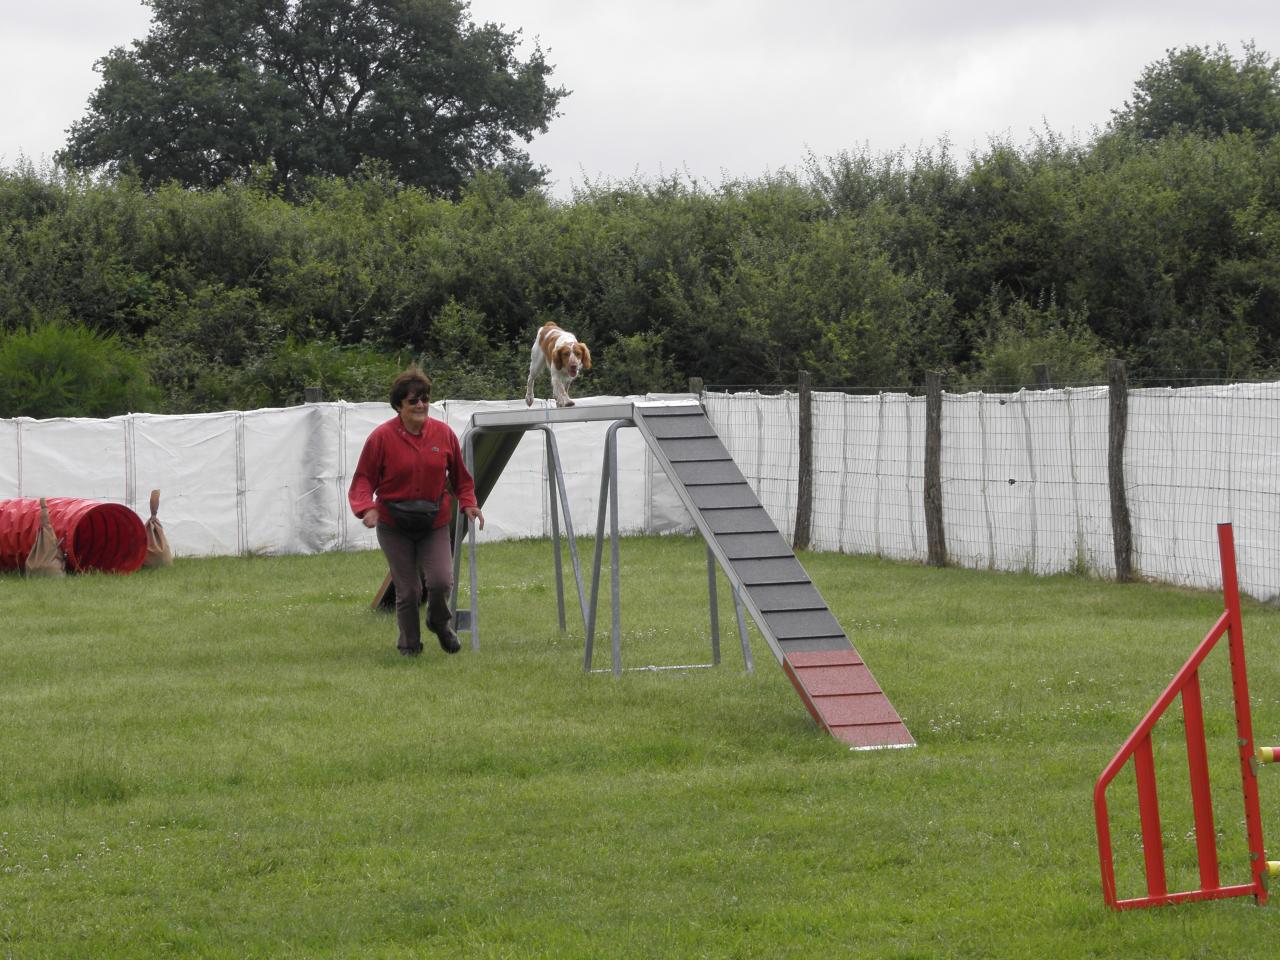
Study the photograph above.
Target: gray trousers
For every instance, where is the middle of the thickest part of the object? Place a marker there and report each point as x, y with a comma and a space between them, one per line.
412, 562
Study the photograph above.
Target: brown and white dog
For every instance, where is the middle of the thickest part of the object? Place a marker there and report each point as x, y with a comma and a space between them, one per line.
564, 355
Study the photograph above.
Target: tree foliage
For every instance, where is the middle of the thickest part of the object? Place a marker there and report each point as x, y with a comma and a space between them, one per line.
866, 270
1204, 91
219, 89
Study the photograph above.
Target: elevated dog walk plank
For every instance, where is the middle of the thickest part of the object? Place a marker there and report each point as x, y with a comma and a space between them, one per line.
836, 686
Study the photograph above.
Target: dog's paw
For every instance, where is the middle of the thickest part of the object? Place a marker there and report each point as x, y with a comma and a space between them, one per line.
528, 401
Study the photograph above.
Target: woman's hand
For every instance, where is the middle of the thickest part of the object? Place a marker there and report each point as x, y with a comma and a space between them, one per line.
370, 518
474, 515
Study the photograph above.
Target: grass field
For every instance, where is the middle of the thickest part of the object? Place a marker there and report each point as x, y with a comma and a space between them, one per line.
227, 758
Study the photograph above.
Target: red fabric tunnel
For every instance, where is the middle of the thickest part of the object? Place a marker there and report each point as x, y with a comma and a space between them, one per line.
95, 536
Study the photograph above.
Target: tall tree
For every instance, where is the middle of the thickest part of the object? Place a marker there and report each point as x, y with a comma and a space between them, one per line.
1204, 91
219, 88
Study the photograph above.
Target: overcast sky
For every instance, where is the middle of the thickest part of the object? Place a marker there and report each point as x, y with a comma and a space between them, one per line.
732, 88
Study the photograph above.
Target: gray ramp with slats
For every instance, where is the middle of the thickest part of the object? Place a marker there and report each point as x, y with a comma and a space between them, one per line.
828, 673
756, 558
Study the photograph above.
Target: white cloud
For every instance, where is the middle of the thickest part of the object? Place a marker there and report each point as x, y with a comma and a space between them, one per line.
734, 86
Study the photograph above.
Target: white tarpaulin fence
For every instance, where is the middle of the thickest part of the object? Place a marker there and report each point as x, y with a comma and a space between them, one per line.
275, 481
1024, 475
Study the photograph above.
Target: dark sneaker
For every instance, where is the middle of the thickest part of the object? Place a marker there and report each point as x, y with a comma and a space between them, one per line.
449, 641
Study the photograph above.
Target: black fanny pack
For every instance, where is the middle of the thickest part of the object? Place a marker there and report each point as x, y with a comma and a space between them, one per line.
413, 517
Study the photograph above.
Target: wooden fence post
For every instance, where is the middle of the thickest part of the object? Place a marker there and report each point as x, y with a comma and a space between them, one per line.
804, 495
1041, 372
933, 470
312, 394
1121, 530
695, 385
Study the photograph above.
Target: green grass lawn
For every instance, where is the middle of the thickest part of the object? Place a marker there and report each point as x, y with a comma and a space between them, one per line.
227, 758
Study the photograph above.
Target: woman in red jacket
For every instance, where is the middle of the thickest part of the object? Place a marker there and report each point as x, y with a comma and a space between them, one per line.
401, 488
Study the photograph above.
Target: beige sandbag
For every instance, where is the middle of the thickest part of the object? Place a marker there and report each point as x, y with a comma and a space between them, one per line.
46, 558
158, 552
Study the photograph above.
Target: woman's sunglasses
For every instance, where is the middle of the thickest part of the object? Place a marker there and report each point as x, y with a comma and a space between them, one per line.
418, 399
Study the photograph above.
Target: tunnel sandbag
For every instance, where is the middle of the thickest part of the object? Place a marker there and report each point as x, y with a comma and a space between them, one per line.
95, 536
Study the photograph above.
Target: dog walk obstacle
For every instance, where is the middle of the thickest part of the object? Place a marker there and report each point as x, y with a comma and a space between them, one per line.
827, 672
1186, 685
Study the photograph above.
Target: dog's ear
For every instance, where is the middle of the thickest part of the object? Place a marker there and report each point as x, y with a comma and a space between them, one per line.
560, 355
586, 356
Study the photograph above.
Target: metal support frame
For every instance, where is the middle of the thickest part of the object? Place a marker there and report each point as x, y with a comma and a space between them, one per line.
558, 494
1186, 685
608, 502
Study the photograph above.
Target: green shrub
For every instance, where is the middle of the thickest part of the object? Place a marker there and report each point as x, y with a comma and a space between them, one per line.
55, 369
1020, 335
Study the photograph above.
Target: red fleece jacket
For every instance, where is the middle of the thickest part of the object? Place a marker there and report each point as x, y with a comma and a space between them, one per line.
396, 465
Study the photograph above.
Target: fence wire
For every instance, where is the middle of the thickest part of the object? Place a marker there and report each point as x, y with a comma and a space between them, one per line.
1025, 482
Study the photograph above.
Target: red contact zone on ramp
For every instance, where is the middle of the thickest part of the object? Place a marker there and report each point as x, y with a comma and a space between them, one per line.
95, 536
845, 700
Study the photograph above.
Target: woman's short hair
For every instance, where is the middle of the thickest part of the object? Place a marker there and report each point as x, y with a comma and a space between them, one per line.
412, 381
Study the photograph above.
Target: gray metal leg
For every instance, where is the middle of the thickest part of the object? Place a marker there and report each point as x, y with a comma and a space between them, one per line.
464, 529
742, 632
471, 563
555, 530
608, 504
611, 448
715, 607
554, 453
595, 564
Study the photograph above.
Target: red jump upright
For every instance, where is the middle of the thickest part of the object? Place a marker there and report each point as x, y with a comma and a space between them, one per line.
1186, 685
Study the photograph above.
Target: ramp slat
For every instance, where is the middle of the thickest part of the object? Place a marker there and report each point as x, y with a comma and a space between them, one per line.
857, 708
723, 495
795, 624
689, 410
750, 546
682, 449
814, 644
740, 520
874, 736
667, 428
791, 596
718, 471
771, 570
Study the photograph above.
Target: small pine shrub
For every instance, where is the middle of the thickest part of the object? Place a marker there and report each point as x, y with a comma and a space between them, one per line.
56, 369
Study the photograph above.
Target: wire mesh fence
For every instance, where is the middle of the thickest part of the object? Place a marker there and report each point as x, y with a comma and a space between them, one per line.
1026, 475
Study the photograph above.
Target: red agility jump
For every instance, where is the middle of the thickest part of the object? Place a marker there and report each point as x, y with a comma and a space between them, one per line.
1186, 684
